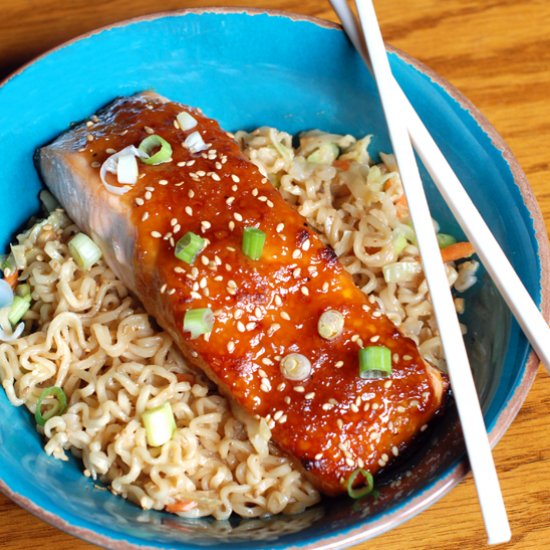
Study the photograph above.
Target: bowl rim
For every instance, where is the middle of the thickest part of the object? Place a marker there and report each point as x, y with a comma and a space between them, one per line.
354, 535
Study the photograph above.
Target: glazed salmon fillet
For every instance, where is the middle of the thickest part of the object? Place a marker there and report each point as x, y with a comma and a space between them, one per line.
332, 421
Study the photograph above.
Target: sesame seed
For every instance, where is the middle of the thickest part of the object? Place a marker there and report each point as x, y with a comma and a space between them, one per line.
381, 463
262, 198
163, 288
182, 164
218, 165
281, 386
375, 338
234, 188
250, 326
173, 221
296, 273
188, 210
140, 201
177, 228
400, 409
145, 216
340, 423
254, 192
287, 399
238, 313
95, 164
304, 290
354, 408
278, 300
325, 286
156, 235
230, 347
395, 451
280, 227
89, 137
149, 130
238, 217
424, 427
285, 315
231, 225
327, 406
273, 328
235, 178
355, 337
229, 201
299, 389
277, 415
339, 364
205, 260
310, 395
306, 245
205, 225
163, 182
414, 403
407, 357
283, 418
376, 314
318, 456
262, 373
241, 327
201, 173
215, 176
387, 384
296, 254
178, 269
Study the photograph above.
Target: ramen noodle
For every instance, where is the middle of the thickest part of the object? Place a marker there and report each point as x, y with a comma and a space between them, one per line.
87, 334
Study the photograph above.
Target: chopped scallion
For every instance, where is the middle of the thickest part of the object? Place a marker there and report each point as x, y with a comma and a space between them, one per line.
444, 240
253, 242
399, 243
186, 121
189, 247
194, 143
330, 324
163, 150
375, 362
59, 408
84, 251
401, 272
363, 491
198, 321
19, 307
23, 290
159, 424
295, 366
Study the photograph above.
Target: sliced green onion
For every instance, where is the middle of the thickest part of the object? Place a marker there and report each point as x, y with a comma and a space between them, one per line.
19, 307
24, 291
59, 408
295, 366
84, 251
444, 240
253, 242
186, 121
159, 424
330, 324
189, 247
194, 143
401, 272
399, 243
198, 321
48, 200
363, 491
149, 144
374, 362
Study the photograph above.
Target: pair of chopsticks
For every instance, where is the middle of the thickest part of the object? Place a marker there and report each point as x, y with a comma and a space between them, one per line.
406, 131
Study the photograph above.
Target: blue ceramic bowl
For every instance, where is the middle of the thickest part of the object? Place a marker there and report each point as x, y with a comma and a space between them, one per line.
248, 69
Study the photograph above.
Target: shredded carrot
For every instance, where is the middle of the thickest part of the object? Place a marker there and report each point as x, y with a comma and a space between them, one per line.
457, 251
180, 506
11, 279
343, 164
401, 207
185, 377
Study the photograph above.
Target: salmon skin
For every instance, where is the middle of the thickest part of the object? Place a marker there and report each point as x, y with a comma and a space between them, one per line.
333, 421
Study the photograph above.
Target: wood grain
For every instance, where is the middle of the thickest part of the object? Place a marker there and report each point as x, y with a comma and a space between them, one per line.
495, 51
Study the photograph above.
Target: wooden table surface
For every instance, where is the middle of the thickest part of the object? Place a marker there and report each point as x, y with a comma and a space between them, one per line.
497, 52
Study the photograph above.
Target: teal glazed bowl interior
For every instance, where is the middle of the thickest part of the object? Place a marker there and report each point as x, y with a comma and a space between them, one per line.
248, 69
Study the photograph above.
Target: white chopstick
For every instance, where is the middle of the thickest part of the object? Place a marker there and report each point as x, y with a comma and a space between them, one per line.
469, 410
476, 230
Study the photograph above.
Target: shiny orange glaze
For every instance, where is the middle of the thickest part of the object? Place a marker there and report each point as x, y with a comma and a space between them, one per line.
332, 422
